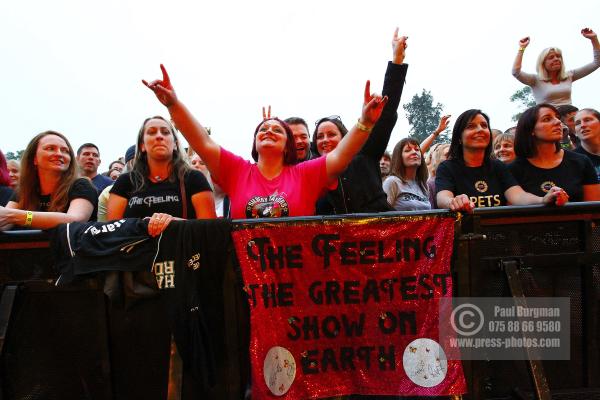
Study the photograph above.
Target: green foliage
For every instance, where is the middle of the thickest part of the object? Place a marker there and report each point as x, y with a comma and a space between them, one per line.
424, 117
12, 156
524, 99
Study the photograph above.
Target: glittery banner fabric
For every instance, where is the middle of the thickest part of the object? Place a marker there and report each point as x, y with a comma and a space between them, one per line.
348, 306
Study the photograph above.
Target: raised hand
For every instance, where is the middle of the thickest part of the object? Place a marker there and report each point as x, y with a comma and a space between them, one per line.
372, 106
267, 114
398, 47
588, 33
163, 89
524, 42
443, 124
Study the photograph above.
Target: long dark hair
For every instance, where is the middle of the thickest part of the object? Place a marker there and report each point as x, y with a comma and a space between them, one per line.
289, 154
398, 169
140, 171
456, 146
525, 144
29, 181
334, 119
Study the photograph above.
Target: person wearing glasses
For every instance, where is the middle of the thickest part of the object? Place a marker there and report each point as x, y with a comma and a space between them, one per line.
274, 186
359, 188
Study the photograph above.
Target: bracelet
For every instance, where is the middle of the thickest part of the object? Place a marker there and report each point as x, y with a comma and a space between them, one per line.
28, 218
521, 48
363, 127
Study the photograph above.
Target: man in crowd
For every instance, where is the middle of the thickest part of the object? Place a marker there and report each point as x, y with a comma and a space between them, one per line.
384, 164
301, 138
587, 127
88, 159
567, 117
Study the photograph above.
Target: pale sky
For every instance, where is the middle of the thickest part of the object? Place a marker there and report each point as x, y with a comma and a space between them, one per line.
76, 66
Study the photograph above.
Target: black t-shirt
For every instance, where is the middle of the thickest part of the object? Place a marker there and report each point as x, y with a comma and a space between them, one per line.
571, 174
82, 188
163, 197
595, 159
6, 193
485, 185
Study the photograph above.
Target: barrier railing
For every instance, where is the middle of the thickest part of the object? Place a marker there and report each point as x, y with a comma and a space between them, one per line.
555, 252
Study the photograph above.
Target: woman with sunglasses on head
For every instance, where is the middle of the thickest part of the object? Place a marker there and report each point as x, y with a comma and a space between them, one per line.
275, 186
50, 191
406, 186
161, 184
470, 178
359, 188
552, 84
542, 163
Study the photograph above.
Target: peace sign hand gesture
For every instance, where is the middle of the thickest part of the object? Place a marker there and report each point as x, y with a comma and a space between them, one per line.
163, 89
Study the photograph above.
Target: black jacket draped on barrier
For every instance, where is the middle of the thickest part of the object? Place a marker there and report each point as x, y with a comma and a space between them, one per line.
200, 292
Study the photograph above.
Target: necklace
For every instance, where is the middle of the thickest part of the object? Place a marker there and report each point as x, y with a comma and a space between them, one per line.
157, 178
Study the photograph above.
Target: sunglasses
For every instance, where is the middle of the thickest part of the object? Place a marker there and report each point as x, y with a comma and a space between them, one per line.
330, 118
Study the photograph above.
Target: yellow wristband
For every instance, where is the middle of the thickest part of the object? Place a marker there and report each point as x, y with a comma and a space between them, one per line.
28, 218
363, 127
521, 48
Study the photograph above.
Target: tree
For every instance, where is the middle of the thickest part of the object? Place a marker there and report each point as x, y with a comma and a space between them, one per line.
423, 117
524, 99
12, 156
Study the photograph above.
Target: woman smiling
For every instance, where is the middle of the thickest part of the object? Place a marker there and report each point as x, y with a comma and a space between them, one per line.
275, 186
50, 191
470, 179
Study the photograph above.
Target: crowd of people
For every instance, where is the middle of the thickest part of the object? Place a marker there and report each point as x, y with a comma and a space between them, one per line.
551, 157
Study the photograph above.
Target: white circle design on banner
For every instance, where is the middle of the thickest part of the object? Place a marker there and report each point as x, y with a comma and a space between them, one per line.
279, 370
425, 362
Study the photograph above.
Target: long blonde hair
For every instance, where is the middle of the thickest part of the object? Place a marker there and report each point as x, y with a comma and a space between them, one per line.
29, 180
541, 70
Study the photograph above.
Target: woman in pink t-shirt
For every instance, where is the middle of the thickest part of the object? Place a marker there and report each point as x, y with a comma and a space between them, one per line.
274, 186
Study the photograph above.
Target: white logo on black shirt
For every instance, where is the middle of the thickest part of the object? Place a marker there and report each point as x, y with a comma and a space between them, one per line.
165, 274
150, 200
481, 186
546, 186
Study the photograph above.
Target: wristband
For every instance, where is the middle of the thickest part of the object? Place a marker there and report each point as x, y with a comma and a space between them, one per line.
363, 127
28, 218
521, 48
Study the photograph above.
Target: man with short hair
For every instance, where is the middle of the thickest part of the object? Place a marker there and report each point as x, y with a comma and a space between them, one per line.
88, 159
567, 117
384, 164
301, 138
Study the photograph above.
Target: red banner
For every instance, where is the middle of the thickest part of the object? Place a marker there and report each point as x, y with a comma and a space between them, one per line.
343, 307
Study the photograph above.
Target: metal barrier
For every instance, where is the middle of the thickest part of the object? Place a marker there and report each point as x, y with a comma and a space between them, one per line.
550, 252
